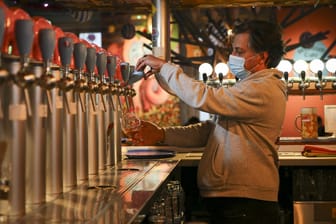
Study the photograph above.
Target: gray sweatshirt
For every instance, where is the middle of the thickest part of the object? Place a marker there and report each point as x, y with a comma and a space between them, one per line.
240, 157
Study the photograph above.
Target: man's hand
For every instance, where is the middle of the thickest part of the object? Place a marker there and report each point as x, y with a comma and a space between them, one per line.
149, 134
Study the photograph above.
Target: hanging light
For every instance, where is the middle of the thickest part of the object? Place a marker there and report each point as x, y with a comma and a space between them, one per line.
205, 70
316, 66
300, 66
331, 65
221, 68
285, 66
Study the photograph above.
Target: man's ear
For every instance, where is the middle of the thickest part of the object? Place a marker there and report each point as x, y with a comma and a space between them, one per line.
264, 56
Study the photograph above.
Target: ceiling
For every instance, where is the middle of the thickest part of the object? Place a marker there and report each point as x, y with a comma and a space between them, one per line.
146, 5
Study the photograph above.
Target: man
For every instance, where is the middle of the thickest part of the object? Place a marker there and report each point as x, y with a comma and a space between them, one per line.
238, 173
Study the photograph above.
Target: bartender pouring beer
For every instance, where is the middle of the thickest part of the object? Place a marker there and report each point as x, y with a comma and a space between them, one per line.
238, 173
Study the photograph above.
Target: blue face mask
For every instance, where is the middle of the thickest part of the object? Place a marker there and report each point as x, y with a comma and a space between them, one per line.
236, 65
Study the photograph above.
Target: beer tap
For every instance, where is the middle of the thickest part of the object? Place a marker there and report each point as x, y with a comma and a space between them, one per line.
320, 84
205, 70
66, 86
111, 65
66, 83
103, 89
24, 35
118, 91
130, 92
125, 72
90, 62
91, 59
286, 67
316, 66
300, 67
81, 88
47, 45
80, 84
102, 86
221, 69
302, 84
331, 67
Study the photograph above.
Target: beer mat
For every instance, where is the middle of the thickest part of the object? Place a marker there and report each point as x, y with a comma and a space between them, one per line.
149, 154
316, 151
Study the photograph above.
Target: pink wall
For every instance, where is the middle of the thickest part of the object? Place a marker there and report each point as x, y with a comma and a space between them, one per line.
293, 108
320, 20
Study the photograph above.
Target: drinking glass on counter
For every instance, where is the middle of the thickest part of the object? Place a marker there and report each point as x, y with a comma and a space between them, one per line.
130, 125
169, 205
308, 120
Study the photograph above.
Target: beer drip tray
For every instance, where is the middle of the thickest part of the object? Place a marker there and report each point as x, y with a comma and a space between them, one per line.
149, 154
105, 187
128, 169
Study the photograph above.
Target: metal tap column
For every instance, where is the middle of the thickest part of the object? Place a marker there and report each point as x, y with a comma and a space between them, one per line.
66, 84
111, 69
37, 123
81, 127
54, 170
18, 115
92, 113
101, 67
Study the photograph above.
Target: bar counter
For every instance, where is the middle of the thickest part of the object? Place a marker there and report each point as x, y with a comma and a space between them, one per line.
123, 193
289, 155
118, 195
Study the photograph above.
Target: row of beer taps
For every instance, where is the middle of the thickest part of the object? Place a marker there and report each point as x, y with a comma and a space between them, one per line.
59, 98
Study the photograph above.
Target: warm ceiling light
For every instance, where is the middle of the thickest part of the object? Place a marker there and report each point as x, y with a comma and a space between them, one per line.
316, 66
285, 66
205, 68
221, 68
300, 66
331, 65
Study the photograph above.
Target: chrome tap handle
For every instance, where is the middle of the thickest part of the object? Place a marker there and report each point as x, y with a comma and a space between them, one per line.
101, 64
320, 84
286, 76
79, 58
111, 66
286, 81
91, 58
65, 48
220, 78
205, 77
47, 42
24, 35
79, 54
125, 71
101, 67
303, 84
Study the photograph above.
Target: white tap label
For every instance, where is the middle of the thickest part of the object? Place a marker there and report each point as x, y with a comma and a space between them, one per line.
59, 102
42, 110
73, 108
17, 112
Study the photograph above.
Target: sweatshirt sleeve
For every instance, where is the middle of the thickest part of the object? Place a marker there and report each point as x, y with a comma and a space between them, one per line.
195, 135
243, 101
